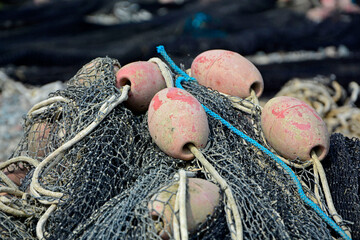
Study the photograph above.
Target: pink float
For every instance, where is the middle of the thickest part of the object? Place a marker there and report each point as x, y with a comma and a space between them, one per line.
145, 79
203, 198
176, 118
41, 136
91, 72
38, 139
294, 129
227, 72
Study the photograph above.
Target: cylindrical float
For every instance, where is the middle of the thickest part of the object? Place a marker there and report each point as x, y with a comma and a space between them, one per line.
92, 71
38, 139
227, 72
16, 173
203, 198
42, 136
176, 118
294, 129
145, 80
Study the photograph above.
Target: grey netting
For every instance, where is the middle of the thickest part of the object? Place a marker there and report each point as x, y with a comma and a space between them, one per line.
101, 186
266, 196
342, 168
11, 228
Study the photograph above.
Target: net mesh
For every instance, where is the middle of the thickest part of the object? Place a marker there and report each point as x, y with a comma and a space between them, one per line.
101, 183
342, 169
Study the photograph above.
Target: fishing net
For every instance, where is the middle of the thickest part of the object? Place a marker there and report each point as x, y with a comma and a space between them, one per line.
342, 168
49, 39
92, 171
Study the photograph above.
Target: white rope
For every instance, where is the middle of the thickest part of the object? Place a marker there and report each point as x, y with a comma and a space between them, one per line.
355, 91
104, 110
41, 223
8, 181
42, 106
326, 190
238, 235
165, 71
11, 210
182, 205
180, 231
5, 164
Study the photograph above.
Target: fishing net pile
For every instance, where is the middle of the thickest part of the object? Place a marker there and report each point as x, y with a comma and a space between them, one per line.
91, 170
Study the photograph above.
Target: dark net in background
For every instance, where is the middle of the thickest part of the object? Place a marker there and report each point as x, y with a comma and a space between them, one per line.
57, 38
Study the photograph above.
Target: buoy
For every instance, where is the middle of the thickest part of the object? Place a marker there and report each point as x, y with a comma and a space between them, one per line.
38, 139
91, 72
203, 198
145, 80
16, 173
176, 118
41, 135
227, 72
294, 129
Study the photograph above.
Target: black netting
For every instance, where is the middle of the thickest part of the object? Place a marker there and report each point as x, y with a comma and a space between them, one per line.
105, 184
11, 228
342, 167
56, 39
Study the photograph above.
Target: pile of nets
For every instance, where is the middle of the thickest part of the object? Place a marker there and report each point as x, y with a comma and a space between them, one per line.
92, 171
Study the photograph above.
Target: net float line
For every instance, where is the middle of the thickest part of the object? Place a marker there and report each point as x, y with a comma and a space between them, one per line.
310, 203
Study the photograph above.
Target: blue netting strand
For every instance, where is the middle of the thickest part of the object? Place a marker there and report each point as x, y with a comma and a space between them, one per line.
185, 77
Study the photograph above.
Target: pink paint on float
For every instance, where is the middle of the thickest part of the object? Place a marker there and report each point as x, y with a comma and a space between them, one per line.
227, 72
203, 198
41, 136
145, 79
294, 129
157, 102
177, 121
174, 94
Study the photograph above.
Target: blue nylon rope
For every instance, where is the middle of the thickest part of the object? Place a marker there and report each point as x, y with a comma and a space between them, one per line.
316, 208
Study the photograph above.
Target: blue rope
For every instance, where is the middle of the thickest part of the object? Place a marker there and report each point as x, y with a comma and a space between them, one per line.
160, 49
316, 208
199, 19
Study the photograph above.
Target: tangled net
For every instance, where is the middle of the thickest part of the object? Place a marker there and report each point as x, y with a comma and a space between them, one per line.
92, 171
